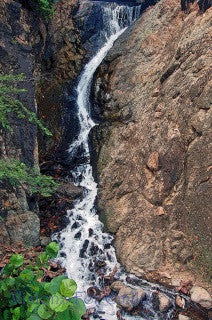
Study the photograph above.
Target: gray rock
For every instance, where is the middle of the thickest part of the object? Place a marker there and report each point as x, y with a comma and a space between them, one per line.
129, 298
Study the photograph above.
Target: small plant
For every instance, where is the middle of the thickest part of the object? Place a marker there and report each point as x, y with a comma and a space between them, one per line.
24, 296
10, 105
17, 173
46, 8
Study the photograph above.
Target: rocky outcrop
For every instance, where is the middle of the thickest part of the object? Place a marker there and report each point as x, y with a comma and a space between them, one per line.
61, 62
19, 32
48, 54
153, 167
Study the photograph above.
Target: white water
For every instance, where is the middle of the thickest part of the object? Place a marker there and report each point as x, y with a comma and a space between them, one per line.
83, 242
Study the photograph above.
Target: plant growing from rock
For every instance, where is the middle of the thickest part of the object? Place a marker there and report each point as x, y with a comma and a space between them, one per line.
9, 104
16, 173
25, 296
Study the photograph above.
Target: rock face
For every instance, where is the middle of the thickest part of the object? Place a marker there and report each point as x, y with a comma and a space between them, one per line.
49, 55
19, 31
153, 167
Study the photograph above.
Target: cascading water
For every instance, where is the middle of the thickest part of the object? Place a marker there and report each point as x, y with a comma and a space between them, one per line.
84, 245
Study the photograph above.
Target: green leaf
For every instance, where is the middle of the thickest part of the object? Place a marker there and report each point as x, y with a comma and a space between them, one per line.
7, 315
27, 275
17, 260
34, 317
68, 287
8, 269
77, 308
54, 286
10, 282
44, 312
65, 315
16, 313
52, 249
58, 303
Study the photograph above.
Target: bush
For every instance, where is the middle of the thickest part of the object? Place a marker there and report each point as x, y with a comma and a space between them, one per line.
23, 296
17, 173
10, 105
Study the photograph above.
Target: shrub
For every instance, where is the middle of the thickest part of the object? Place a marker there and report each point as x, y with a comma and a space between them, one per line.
10, 105
23, 296
17, 173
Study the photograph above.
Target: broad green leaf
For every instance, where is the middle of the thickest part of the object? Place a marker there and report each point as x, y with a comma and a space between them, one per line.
65, 315
17, 260
58, 303
77, 308
8, 269
54, 286
16, 313
68, 287
27, 275
44, 312
52, 249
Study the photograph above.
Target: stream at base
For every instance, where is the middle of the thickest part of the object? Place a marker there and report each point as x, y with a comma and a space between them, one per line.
85, 248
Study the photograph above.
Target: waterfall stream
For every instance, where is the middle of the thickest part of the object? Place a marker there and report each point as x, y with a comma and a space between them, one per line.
83, 242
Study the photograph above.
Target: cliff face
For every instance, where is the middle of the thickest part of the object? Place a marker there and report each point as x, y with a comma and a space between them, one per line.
48, 54
153, 91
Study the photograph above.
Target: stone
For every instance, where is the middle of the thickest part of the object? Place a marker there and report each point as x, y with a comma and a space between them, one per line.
129, 298
182, 317
153, 161
117, 285
164, 302
201, 296
45, 241
180, 302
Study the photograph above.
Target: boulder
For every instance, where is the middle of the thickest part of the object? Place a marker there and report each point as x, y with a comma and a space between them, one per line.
201, 296
129, 298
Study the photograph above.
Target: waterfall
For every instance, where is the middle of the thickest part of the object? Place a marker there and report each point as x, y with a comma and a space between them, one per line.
83, 242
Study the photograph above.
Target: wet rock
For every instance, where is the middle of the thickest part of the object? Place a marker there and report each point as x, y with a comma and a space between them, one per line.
84, 248
78, 235
117, 285
201, 296
180, 302
164, 302
129, 298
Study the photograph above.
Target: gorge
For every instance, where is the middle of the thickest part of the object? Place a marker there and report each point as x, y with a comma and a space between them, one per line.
125, 89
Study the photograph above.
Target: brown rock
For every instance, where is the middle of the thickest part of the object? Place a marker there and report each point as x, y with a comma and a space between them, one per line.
153, 145
153, 161
117, 285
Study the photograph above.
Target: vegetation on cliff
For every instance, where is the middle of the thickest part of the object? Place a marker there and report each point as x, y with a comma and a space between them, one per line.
11, 170
26, 293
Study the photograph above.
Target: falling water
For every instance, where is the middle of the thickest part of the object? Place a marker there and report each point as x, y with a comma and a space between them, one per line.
83, 242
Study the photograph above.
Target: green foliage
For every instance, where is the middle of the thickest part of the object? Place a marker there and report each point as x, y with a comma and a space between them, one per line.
10, 105
17, 173
23, 297
46, 8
